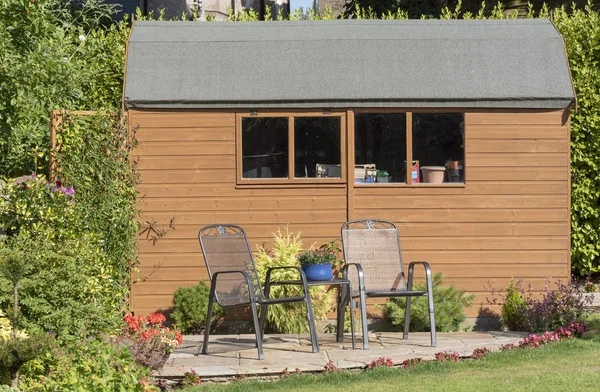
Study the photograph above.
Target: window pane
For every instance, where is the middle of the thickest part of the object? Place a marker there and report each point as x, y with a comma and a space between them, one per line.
317, 147
380, 147
265, 147
438, 145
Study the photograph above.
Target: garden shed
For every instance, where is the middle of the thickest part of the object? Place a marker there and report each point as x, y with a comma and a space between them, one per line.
458, 131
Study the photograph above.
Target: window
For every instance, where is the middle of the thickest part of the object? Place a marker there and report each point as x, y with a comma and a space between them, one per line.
380, 147
438, 146
294, 148
265, 147
381, 153
317, 152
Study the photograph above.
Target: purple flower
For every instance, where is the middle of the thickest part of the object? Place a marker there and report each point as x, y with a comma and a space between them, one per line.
71, 191
63, 189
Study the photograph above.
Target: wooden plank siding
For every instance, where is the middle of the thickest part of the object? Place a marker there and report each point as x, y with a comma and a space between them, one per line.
511, 219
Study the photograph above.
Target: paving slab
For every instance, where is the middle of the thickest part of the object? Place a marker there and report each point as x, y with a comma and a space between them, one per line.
234, 356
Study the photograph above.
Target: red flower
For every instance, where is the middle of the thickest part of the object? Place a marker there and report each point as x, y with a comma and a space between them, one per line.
132, 323
149, 334
179, 337
156, 319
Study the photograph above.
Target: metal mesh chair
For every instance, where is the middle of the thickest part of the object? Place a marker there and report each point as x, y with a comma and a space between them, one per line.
235, 282
372, 247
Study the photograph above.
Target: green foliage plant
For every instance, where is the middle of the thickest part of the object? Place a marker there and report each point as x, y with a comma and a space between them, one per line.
190, 305
449, 306
316, 256
60, 290
16, 347
55, 55
289, 318
94, 157
90, 364
513, 309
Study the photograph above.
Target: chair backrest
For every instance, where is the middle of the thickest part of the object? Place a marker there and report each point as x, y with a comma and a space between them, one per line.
375, 245
226, 248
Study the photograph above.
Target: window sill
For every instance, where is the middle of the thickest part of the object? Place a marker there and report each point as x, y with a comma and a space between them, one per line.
296, 183
403, 185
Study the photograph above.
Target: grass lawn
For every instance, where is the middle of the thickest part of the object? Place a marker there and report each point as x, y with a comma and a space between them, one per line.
572, 365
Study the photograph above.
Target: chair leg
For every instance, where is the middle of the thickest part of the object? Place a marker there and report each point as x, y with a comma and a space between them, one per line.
406, 318
432, 320
363, 316
311, 324
211, 300
264, 309
341, 309
257, 332
351, 306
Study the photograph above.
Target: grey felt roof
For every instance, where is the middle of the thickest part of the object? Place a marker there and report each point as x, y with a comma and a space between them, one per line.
348, 63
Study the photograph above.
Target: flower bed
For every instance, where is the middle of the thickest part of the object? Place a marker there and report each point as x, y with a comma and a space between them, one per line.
149, 340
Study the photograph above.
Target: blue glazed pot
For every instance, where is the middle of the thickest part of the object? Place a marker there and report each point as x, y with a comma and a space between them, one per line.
318, 271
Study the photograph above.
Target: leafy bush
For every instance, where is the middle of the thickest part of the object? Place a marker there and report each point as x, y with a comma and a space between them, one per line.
190, 305
79, 54
513, 308
290, 318
95, 158
80, 239
449, 306
14, 353
548, 310
91, 364
556, 308
59, 289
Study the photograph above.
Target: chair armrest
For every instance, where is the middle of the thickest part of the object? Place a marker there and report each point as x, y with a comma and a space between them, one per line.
243, 273
300, 271
411, 270
359, 271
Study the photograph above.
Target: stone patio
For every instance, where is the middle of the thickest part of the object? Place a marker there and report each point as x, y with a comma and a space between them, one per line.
233, 356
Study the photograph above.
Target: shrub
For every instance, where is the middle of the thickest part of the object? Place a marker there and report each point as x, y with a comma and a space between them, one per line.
548, 310
513, 309
14, 353
290, 318
92, 364
59, 289
190, 305
556, 308
449, 308
148, 340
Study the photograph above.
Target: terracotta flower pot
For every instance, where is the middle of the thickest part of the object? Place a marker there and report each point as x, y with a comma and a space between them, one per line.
433, 174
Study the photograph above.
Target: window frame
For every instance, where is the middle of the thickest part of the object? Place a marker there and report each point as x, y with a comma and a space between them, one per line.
291, 180
408, 112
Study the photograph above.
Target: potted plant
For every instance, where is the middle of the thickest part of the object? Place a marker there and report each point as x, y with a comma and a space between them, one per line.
316, 264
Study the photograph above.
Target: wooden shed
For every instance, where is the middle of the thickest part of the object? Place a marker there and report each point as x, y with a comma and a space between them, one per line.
458, 131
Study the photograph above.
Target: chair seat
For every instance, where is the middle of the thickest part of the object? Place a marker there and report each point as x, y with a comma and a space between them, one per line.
396, 293
269, 301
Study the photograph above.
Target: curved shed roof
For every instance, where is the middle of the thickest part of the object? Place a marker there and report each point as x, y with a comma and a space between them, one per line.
348, 63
